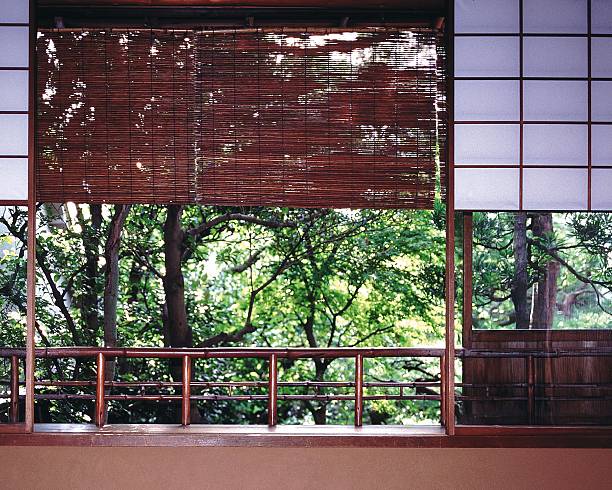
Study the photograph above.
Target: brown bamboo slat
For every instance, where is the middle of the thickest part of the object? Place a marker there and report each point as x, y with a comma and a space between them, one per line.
240, 117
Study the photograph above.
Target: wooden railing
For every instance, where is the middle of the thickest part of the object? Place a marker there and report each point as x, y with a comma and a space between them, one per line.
187, 357
532, 389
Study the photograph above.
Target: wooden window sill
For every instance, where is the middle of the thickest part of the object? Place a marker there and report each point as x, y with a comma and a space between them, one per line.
307, 436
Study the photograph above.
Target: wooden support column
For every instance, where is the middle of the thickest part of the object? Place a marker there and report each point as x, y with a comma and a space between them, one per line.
448, 376
358, 390
31, 245
14, 408
100, 408
186, 400
272, 391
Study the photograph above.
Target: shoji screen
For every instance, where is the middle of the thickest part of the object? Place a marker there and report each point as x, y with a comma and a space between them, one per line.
533, 104
14, 62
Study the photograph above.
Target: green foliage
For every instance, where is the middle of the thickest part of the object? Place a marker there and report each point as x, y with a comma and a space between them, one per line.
329, 278
580, 243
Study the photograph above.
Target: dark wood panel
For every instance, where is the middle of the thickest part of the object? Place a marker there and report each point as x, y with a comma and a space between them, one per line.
540, 335
550, 390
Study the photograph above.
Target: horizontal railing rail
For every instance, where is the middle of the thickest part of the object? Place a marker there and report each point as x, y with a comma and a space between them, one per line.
272, 384
431, 389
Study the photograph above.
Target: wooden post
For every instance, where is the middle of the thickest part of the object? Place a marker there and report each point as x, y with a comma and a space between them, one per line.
358, 390
272, 390
14, 410
29, 366
449, 280
186, 401
531, 390
100, 408
442, 392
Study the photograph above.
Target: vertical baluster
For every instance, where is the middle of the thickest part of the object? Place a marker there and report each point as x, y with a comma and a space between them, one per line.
14, 411
531, 389
186, 408
358, 390
442, 391
272, 390
100, 409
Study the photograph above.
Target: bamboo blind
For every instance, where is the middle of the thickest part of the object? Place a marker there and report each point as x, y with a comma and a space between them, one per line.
243, 117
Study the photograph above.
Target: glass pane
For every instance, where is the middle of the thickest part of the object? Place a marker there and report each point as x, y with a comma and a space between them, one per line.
13, 134
601, 17
14, 90
15, 11
13, 232
490, 100
14, 181
601, 101
487, 16
555, 144
487, 144
555, 189
601, 144
555, 16
555, 101
487, 188
487, 56
555, 57
14, 46
601, 189
542, 306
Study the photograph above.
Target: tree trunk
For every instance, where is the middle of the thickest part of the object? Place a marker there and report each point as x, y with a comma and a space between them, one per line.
179, 332
91, 245
545, 290
319, 413
175, 310
111, 282
520, 283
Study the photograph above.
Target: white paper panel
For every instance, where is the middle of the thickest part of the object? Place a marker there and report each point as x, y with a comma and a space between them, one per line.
486, 100
601, 189
601, 145
555, 100
601, 99
601, 56
14, 181
14, 11
555, 16
601, 16
555, 189
500, 16
491, 188
14, 46
480, 56
555, 144
487, 144
555, 57
13, 90
13, 134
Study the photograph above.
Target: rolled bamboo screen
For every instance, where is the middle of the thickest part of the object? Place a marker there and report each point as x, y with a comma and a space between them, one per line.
243, 117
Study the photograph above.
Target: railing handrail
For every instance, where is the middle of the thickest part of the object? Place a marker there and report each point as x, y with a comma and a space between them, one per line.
295, 352
216, 352
187, 355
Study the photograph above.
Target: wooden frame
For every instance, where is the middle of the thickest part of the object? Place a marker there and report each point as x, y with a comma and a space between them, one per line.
453, 436
449, 368
521, 122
